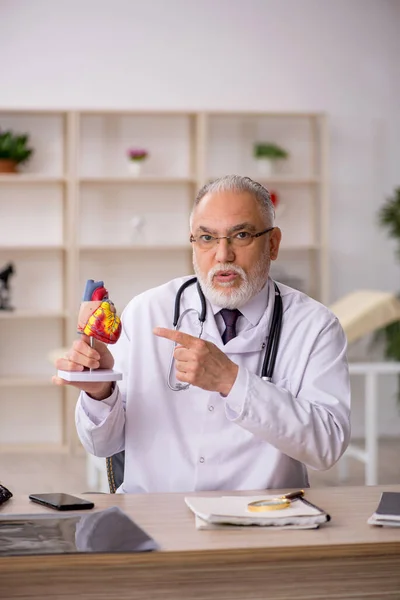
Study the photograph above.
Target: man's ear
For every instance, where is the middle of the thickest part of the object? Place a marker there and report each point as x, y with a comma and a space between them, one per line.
274, 243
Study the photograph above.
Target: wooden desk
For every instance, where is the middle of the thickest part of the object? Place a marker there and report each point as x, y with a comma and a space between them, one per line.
345, 558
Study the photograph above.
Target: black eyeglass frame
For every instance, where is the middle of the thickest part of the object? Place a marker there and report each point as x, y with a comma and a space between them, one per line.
229, 237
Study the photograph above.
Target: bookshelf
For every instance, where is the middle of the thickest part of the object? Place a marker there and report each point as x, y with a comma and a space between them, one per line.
70, 216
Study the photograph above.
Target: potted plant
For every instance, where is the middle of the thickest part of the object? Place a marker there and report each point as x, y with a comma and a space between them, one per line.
389, 217
266, 153
136, 158
13, 151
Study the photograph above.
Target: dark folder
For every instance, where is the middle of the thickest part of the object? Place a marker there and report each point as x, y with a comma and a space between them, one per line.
389, 504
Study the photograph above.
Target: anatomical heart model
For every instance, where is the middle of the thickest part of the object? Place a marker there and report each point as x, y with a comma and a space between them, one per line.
97, 315
97, 319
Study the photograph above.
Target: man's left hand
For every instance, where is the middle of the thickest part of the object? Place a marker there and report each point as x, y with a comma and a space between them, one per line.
200, 363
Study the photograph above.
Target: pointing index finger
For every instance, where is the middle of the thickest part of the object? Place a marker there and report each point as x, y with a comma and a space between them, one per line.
189, 341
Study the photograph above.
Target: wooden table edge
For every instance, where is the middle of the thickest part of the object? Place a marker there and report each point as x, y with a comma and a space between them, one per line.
189, 558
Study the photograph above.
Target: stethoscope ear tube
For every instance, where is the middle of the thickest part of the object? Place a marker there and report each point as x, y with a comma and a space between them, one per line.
277, 334
273, 338
178, 298
202, 317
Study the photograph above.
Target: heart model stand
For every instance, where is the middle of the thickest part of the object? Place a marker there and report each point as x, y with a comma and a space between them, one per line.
97, 319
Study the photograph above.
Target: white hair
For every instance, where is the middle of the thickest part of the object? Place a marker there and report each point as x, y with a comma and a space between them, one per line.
237, 183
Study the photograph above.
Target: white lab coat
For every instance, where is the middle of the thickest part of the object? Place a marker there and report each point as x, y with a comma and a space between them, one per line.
262, 435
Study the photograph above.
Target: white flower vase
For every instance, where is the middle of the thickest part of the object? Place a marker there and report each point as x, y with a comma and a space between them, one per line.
265, 167
137, 224
135, 167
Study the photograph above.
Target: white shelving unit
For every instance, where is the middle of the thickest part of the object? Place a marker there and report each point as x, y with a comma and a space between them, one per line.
68, 217
34, 237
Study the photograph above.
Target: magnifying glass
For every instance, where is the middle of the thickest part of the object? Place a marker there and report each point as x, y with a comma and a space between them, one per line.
274, 503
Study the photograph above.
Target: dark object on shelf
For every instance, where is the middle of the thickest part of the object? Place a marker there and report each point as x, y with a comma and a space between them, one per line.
5, 494
5, 275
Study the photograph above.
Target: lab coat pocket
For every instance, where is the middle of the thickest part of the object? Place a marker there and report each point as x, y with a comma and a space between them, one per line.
284, 384
288, 384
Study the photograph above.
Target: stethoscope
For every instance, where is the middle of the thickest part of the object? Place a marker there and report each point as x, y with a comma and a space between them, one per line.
273, 338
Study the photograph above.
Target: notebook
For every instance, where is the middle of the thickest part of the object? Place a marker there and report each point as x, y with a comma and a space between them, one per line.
219, 512
388, 512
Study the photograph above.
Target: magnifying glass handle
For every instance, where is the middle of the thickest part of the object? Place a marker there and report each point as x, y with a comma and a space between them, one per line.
293, 495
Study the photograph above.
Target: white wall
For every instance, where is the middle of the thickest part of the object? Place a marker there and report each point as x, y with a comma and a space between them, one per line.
340, 57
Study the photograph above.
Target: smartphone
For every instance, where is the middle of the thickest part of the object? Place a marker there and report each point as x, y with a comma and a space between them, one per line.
61, 501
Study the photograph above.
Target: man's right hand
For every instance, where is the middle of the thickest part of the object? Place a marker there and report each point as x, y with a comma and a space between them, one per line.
82, 355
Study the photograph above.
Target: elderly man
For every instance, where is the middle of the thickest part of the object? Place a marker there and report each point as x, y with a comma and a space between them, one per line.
208, 420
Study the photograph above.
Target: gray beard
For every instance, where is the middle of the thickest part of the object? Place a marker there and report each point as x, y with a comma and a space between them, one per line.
236, 297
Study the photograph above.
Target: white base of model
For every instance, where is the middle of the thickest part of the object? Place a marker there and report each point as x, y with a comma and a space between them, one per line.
87, 375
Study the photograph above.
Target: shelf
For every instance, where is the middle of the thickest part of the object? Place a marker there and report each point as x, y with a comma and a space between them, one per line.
280, 180
288, 180
29, 178
37, 448
126, 179
32, 314
144, 112
40, 112
279, 114
134, 248
16, 381
37, 248
300, 248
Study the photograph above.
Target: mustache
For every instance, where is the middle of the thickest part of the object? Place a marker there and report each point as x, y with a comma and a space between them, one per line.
225, 267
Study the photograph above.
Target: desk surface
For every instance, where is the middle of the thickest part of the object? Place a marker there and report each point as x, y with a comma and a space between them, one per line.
170, 522
344, 559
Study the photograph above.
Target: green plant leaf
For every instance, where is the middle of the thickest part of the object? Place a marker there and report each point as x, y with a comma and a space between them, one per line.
269, 150
389, 219
14, 147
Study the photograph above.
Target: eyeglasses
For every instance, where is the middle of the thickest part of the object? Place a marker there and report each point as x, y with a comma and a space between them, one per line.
238, 240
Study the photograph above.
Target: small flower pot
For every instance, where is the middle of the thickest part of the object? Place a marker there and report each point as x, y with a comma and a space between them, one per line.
265, 167
8, 166
135, 167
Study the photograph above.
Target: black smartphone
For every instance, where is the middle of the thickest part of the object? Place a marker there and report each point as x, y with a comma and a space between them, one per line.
61, 501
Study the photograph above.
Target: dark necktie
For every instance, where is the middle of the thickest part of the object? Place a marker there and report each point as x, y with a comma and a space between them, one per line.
230, 317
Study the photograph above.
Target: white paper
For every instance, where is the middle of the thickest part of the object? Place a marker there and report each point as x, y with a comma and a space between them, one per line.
233, 510
384, 520
200, 524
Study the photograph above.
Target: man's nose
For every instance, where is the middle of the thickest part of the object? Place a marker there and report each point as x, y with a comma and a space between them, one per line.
224, 251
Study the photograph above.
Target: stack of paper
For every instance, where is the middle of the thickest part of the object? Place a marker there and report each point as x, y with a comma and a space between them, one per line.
212, 512
388, 512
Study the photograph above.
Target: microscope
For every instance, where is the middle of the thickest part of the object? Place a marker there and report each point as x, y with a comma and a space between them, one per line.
5, 275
